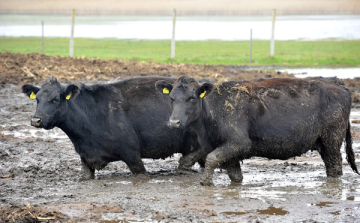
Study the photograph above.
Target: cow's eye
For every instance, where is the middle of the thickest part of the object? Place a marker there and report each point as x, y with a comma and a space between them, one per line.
191, 98
55, 99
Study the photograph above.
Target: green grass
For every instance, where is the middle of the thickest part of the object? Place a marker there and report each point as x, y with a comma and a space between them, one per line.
324, 53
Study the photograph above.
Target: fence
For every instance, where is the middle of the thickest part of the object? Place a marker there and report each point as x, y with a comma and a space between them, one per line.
172, 54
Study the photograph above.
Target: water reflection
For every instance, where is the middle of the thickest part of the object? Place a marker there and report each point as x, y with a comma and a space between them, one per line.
342, 73
187, 27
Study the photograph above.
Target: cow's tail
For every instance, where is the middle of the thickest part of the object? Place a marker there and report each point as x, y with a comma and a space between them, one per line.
350, 155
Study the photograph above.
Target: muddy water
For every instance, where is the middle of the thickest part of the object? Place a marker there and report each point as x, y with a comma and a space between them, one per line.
41, 167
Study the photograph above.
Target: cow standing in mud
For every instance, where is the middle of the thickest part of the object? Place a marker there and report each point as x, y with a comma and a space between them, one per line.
124, 120
273, 118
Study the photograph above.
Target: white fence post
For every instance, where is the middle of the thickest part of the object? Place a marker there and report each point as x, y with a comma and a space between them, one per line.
272, 42
42, 39
173, 37
71, 50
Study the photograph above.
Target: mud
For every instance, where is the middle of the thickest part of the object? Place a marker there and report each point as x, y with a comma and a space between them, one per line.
39, 171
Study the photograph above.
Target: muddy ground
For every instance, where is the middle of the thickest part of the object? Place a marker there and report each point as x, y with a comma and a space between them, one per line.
39, 169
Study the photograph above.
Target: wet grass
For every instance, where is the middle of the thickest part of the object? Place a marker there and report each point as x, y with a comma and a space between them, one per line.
324, 53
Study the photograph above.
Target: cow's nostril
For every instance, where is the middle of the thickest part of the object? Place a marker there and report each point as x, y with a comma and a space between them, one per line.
35, 121
174, 123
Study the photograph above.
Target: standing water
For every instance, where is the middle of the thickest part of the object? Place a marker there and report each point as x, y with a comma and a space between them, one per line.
187, 27
342, 73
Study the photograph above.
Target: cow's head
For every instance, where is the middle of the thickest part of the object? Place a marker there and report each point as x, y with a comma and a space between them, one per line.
52, 99
186, 96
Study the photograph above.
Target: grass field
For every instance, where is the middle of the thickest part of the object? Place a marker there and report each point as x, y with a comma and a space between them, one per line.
325, 53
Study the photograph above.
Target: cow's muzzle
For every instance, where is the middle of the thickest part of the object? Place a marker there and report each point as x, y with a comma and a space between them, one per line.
174, 123
36, 121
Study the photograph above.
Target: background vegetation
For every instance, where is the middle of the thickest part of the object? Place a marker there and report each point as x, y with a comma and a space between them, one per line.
325, 53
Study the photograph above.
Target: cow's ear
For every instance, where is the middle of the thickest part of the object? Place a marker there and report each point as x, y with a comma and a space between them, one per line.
30, 90
164, 87
71, 92
205, 89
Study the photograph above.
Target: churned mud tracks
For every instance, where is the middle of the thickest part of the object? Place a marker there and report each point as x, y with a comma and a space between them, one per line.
39, 173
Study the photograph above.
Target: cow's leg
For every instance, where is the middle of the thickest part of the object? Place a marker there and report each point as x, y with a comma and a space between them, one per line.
239, 147
192, 153
87, 172
215, 158
234, 170
333, 162
188, 160
331, 155
135, 164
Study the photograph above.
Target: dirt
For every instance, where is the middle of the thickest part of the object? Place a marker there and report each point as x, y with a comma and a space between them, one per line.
39, 169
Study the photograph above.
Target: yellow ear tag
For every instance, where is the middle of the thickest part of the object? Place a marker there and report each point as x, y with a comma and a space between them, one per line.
32, 95
166, 91
68, 96
202, 95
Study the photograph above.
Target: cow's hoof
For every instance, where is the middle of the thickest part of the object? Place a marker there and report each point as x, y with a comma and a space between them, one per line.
185, 171
87, 176
334, 172
81, 179
184, 168
236, 179
205, 182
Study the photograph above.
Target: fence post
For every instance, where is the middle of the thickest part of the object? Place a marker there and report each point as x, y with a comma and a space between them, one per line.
173, 37
272, 42
42, 39
250, 59
71, 50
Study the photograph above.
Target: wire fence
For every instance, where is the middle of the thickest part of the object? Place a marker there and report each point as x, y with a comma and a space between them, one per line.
204, 52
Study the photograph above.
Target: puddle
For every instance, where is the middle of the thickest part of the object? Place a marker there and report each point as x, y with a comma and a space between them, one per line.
349, 197
273, 211
112, 221
353, 198
260, 193
236, 213
18, 131
342, 73
122, 221
335, 213
123, 182
321, 204
154, 181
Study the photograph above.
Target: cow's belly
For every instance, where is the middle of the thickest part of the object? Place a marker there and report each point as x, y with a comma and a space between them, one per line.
281, 148
284, 141
161, 142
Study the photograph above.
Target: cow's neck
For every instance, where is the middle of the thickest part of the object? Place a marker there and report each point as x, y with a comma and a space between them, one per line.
205, 128
77, 124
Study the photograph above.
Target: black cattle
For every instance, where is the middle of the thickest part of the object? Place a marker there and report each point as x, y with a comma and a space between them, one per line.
273, 118
124, 120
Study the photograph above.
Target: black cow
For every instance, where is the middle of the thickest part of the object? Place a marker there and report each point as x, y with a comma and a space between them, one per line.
273, 118
124, 120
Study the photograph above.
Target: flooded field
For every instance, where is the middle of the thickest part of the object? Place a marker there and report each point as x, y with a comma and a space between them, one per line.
41, 168
291, 27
